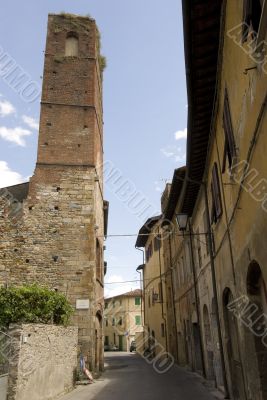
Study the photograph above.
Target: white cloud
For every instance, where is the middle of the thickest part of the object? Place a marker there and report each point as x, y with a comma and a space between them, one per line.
177, 154
15, 135
31, 122
167, 152
181, 134
6, 108
8, 177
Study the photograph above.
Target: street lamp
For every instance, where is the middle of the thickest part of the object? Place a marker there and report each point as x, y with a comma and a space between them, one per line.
182, 221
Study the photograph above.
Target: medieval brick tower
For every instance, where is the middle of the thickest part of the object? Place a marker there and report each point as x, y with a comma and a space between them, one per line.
59, 242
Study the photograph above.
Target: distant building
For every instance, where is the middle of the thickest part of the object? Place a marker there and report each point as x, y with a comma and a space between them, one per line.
123, 319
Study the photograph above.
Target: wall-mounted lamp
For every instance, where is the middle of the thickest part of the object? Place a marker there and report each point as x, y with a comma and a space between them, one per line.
182, 221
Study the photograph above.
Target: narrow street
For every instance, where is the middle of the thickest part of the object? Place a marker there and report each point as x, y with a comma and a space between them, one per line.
129, 377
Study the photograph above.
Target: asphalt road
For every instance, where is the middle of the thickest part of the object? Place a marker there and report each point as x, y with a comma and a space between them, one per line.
129, 377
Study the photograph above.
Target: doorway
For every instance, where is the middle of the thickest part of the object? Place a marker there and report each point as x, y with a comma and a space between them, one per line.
233, 352
208, 344
197, 348
121, 342
257, 293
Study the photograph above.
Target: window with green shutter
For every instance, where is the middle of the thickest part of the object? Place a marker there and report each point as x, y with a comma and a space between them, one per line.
137, 320
137, 301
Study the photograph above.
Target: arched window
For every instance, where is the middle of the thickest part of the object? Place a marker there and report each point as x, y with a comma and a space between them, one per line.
72, 45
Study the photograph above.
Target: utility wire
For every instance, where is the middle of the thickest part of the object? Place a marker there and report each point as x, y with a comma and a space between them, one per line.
152, 234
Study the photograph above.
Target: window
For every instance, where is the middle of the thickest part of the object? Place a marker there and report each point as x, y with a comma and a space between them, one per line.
113, 322
229, 144
106, 341
205, 224
216, 195
72, 45
162, 330
155, 296
251, 17
137, 301
99, 269
120, 321
106, 322
149, 252
160, 291
157, 242
199, 254
137, 320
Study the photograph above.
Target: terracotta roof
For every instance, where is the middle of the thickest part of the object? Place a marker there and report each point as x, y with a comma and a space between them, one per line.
132, 293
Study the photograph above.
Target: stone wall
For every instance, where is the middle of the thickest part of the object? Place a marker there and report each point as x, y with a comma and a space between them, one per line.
44, 361
56, 238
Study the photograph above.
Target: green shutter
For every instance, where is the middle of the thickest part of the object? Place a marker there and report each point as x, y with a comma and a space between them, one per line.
137, 301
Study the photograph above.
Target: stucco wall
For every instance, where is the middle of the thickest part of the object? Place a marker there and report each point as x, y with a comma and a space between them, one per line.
44, 359
3, 386
124, 307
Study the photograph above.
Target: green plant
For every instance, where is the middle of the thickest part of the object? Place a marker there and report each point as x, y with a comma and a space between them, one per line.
33, 304
102, 63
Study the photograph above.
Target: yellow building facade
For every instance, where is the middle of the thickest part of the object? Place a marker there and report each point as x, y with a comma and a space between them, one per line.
154, 288
122, 320
215, 266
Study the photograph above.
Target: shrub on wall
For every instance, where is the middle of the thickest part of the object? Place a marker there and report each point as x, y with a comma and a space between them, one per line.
33, 304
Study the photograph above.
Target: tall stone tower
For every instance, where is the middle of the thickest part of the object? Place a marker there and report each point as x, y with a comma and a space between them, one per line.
62, 228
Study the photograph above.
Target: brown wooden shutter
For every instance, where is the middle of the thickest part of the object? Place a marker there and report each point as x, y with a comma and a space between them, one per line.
230, 148
216, 193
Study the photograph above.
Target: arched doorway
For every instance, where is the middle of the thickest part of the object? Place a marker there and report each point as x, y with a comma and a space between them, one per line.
257, 293
208, 344
217, 356
98, 343
233, 352
197, 343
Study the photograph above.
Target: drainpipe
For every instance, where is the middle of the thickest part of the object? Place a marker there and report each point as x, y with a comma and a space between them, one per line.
173, 299
142, 285
162, 300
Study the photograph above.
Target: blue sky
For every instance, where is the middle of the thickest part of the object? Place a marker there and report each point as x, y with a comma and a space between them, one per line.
145, 105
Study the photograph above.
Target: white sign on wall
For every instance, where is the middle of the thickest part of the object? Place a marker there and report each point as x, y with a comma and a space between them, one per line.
82, 304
